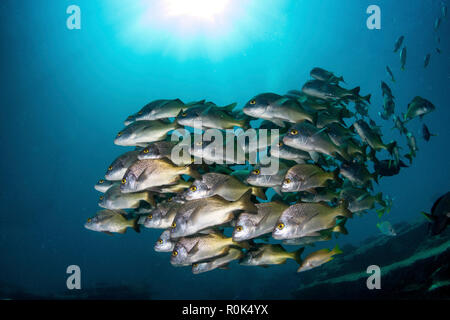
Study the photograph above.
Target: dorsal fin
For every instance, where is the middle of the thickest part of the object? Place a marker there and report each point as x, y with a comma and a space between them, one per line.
230, 107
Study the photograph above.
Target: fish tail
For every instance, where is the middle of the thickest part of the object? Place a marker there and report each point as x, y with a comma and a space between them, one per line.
344, 154
135, 225
379, 198
428, 216
297, 255
190, 171
355, 91
409, 156
390, 147
259, 192
343, 209
341, 79
241, 244
336, 250
334, 175
340, 228
243, 123
245, 203
149, 198
375, 176
367, 98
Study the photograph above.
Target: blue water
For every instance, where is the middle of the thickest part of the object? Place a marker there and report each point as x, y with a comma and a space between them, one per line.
65, 93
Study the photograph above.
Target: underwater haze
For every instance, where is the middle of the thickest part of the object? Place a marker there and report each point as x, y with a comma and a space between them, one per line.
65, 94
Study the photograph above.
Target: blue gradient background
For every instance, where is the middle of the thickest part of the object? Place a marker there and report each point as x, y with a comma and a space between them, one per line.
65, 93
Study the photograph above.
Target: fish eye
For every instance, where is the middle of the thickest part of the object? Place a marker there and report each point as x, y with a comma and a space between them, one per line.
89, 220
150, 216
280, 144
280, 226
140, 112
101, 181
193, 188
101, 198
287, 180
294, 132
160, 241
184, 114
253, 101
174, 253
239, 228
199, 143
256, 171
174, 224
109, 168
170, 199
145, 150
124, 181
195, 265
119, 134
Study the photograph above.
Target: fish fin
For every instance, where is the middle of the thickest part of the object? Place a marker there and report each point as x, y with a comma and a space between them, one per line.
190, 171
265, 237
225, 266
355, 91
243, 244
195, 102
297, 255
245, 203
340, 228
259, 192
367, 98
122, 231
206, 110
281, 101
108, 233
136, 226
315, 117
222, 169
277, 190
242, 123
337, 250
149, 198
409, 157
264, 266
194, 249
390, 147
428, 216
278, 122
343, 208
263, 220
229, 107
314, 156
380, 212
320, 131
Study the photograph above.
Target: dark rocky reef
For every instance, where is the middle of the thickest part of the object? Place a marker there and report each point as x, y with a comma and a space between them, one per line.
413, 264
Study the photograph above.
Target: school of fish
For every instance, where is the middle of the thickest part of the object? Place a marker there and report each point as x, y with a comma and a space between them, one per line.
222, 209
